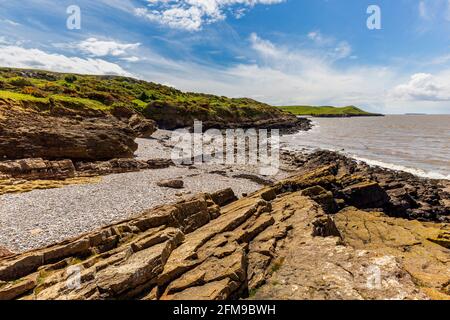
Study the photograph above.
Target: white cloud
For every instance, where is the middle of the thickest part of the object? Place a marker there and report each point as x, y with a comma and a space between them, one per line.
282, 75
19, 57
101, 48
423, 87
131, 59
191, 15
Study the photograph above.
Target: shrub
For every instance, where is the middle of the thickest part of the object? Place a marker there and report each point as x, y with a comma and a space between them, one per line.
143, 96
70, 78
21, 82
35, 92
102, 97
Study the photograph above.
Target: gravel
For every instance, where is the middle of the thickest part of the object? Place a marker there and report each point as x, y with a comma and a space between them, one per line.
42, 217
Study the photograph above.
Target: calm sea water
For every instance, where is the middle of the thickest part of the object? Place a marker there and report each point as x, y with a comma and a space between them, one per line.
419, 144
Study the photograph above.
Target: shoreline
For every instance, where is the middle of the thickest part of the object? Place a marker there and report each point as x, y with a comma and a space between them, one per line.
41, 217
395, 150
418, 172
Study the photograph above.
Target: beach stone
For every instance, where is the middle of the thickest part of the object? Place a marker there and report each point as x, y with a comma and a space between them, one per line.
171, 183
224, 197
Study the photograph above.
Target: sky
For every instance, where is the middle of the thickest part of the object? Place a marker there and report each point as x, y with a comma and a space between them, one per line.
282, 52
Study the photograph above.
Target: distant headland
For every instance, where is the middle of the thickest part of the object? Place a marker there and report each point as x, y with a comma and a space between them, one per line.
329, 111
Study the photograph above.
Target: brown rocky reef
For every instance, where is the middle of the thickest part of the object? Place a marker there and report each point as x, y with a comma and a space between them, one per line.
397, 193
55, 131
278, 243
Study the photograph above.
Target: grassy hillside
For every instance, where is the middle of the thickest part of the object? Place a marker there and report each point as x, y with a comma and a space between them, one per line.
327, 111
169, 107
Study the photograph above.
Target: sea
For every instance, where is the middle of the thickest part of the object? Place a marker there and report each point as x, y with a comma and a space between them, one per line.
418, 144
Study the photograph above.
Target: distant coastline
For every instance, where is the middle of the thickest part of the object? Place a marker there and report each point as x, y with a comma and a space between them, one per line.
329, 111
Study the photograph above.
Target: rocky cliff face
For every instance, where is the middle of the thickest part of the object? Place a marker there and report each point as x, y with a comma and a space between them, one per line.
279, 243
59, 132
169, 116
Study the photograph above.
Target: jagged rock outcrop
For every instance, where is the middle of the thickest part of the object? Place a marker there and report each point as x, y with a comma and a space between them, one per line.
397, 193
58, 132
277, 243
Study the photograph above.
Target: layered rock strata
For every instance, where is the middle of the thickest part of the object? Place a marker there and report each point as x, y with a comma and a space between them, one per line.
54, 132
278, 243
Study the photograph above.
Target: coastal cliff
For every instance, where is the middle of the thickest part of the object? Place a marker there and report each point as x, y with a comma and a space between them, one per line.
85, 97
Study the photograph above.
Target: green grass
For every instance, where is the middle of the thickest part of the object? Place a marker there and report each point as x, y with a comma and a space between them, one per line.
20, 96
164, 104
91, 104
324, 110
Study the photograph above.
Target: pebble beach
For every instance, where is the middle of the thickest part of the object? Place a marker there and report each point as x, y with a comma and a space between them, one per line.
43, 217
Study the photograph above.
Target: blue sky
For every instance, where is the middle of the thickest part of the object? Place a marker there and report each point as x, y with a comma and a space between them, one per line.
278, 51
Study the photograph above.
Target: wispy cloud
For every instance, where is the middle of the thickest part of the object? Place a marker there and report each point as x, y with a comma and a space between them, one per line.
19, 57
191, 15
436, 9
10, 22
335, 49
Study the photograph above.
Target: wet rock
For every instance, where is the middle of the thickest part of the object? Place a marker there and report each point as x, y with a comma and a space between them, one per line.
409, 196
401, 201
